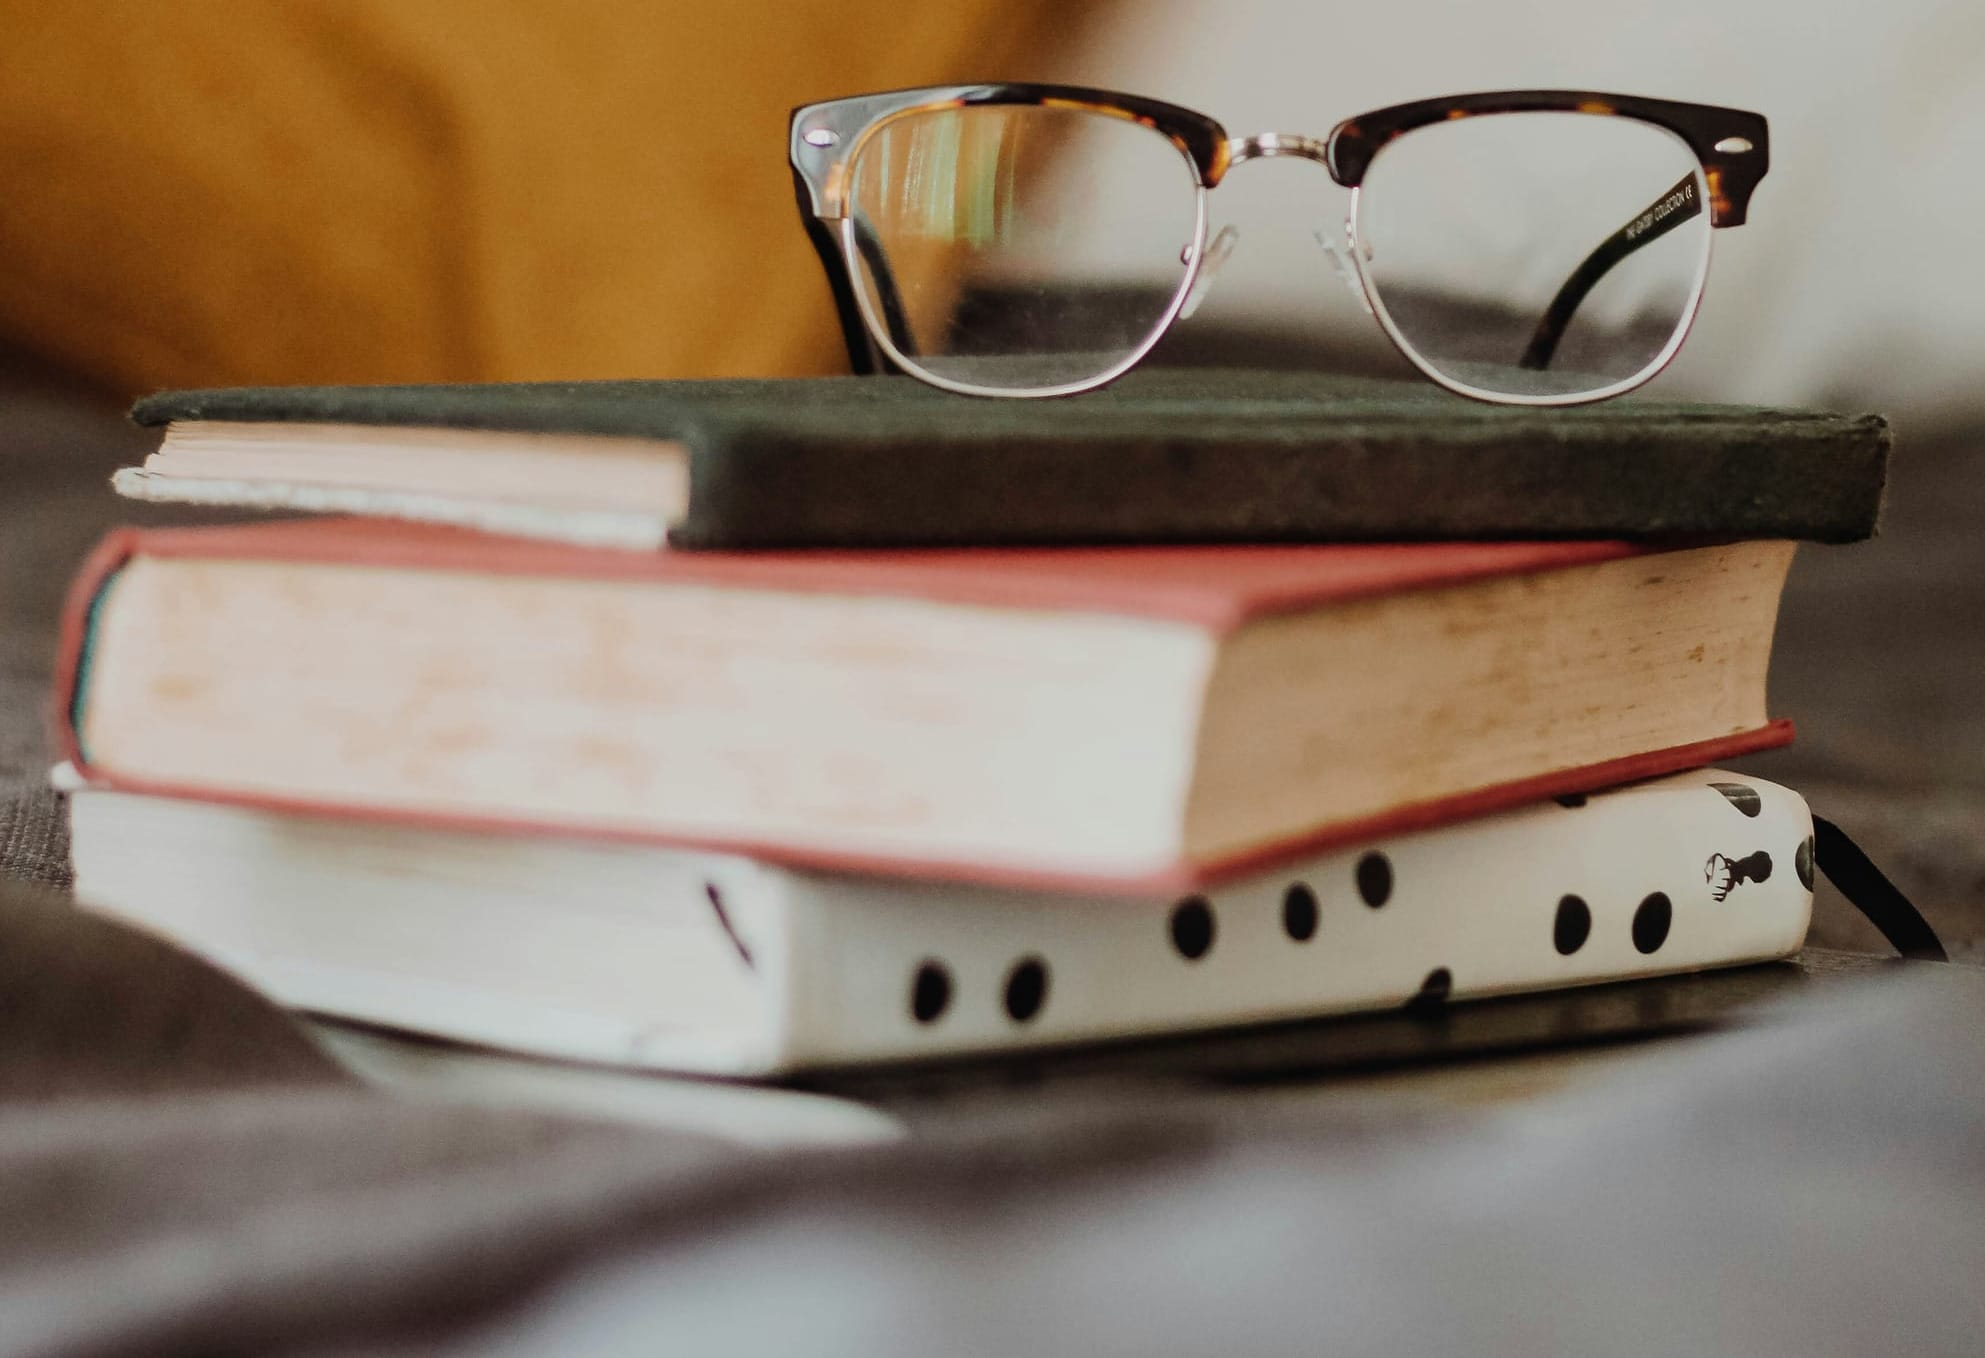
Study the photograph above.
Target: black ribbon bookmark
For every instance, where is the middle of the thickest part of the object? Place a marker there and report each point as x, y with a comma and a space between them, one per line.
1857, 878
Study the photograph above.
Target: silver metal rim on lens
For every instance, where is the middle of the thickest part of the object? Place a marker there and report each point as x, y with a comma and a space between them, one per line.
878, 328
1353, 241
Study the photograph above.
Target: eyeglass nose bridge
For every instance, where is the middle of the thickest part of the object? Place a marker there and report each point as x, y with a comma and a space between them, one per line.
1267, 145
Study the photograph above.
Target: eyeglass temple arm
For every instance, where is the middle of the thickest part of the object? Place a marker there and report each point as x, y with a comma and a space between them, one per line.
886, 295
1682, 202
865, 358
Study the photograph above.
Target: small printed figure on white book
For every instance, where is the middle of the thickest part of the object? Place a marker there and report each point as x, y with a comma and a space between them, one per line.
649, 956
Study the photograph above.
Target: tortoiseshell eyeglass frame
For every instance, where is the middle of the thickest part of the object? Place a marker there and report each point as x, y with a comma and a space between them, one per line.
1731, 146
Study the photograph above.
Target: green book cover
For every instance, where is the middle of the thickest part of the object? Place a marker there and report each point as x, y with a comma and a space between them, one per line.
1178, 455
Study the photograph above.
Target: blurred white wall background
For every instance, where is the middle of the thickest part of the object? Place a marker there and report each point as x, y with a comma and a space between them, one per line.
1860, 278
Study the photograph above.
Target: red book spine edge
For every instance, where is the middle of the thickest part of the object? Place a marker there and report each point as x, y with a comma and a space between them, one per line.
72, 642
1182, 876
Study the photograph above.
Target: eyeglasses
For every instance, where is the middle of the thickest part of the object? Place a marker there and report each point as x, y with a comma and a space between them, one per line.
1538, 247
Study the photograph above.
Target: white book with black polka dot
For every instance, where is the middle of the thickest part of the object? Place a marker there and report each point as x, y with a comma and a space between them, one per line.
647, 956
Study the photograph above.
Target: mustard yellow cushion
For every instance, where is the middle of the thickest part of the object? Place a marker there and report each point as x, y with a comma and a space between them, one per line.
398, 190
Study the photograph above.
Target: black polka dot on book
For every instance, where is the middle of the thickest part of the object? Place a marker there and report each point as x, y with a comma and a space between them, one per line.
1651, 921
1572, 926
1433, 991
1741, 796
1375, 879
1192, 928
1802, 863
1299, 912
930, 992
1026, 988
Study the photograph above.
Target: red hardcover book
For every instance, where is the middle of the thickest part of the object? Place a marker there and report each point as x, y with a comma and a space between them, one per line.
1126, 719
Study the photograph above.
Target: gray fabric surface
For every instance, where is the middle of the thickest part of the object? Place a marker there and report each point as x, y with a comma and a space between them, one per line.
88, 1007
1808, 1190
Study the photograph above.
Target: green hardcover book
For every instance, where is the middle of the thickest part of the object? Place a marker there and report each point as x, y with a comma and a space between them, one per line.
1182, 455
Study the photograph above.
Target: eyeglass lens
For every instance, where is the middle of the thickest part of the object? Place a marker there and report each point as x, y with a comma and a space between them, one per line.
1019, 247
1536, 254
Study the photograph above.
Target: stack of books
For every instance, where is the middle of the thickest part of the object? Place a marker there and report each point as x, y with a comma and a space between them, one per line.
939, 725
